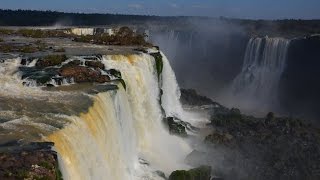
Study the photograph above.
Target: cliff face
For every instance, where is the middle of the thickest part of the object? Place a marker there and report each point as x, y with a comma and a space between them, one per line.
300, 81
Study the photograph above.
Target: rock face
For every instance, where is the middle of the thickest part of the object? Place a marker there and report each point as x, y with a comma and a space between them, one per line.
83, 74
201, 173
32, 161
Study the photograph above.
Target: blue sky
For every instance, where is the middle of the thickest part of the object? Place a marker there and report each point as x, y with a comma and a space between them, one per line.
256, 9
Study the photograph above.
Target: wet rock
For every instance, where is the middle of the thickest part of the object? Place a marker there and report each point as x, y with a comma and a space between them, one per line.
51, 60
26, 61
115, 73
73, 63
83, 74
201, 173
175, 127
95, 64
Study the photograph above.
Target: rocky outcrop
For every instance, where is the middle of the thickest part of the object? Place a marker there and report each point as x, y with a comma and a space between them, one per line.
95, 64
51, 60
30, 161
83, 74
192, 98
176, 128
201, 173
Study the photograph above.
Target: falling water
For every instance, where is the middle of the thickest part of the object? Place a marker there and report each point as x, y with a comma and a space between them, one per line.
257, 84
121, 136
171, 91
101, 143
143, 91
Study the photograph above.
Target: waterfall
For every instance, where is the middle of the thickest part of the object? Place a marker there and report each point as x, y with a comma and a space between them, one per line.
143, 92
121, 136
101, 143
171, 91
257, 84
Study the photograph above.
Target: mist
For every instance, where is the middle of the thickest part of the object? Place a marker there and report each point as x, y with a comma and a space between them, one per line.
205, 57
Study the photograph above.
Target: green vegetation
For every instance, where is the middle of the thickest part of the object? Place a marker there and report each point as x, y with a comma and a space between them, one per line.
1, 40
159, 62
6, 48
124, 37
38, 33
201, 173
51, 60
6, 31
46, 165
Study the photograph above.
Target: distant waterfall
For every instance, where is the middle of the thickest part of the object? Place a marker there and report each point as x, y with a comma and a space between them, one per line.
256, 87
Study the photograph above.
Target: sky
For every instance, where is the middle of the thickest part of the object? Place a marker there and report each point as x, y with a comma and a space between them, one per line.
250, 9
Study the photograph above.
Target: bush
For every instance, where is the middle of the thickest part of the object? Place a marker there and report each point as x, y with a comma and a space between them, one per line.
51, 60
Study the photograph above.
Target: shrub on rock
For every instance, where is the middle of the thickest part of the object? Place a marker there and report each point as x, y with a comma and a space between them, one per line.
51, 60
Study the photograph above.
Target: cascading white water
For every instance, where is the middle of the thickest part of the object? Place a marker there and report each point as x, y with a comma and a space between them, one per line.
171, 91
257, 84
101, 143
120, 137
154, 142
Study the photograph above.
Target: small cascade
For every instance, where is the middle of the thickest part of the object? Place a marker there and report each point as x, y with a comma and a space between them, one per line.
257, 84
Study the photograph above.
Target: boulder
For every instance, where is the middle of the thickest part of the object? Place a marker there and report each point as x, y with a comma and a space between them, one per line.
95, 64
73, 63
83, 74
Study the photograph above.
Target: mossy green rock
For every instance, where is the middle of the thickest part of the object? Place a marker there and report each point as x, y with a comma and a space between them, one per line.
159, 62
201, 173
51, 60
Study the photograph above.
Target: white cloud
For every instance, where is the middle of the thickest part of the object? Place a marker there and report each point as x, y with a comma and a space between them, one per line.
135, 6
173, 5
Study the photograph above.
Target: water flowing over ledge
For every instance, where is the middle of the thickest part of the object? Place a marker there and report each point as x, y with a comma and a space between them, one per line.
122, 135
258, 83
